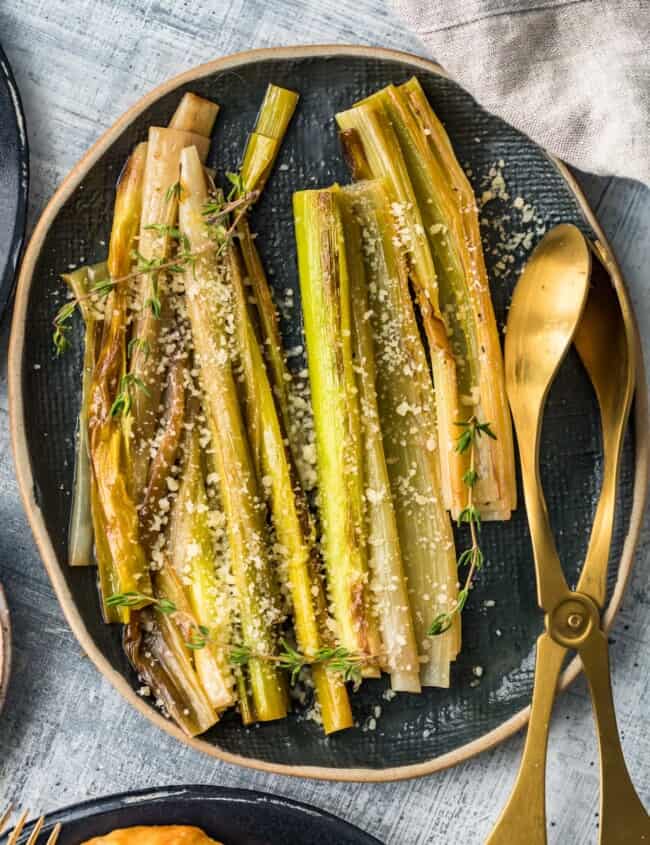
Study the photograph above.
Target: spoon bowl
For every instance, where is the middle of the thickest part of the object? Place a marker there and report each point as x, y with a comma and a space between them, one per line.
546, 308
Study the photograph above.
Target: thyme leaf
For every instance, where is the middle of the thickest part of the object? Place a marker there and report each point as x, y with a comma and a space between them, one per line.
472, 557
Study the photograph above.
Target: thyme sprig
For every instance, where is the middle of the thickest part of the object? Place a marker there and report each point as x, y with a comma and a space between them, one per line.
62, 317
133, 598
472, 557
214, 211
341, 661
124, 399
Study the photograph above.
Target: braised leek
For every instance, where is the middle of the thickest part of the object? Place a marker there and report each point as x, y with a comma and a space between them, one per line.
264, 142
294, 528
395, 135
325, 288
259, 157
116, 509
207, 294
388, 583
371, 136
194, 557
407, 412
80, 535
451, 221
159, 215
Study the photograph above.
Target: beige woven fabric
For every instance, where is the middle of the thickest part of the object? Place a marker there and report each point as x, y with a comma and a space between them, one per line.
575, 76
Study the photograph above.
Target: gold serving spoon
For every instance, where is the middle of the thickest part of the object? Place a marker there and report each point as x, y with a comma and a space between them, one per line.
553, 305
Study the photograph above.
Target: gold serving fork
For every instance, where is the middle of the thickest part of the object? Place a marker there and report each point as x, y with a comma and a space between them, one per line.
552, 306
14, 836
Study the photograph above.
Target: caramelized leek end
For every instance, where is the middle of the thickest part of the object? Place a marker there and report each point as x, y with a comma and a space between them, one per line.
294, 529
194, 556
80, 535
389, 585
206, 286
325, 288
450, 217
406, 409
264, 142
371, 140
158, 652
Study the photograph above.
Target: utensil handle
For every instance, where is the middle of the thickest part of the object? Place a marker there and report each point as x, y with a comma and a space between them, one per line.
551, 583
523, 819
623, 819
593, 578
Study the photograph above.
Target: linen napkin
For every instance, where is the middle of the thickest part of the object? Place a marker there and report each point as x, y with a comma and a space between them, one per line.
573, 75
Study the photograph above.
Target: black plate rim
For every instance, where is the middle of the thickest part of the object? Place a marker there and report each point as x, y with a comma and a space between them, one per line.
253, 798
8, 271
26, 479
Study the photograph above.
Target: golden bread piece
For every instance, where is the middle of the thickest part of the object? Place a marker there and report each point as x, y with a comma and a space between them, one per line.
154, 835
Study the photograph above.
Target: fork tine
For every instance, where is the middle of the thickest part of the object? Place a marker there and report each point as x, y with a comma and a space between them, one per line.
4, 818
15, 833
55, 834
33, 836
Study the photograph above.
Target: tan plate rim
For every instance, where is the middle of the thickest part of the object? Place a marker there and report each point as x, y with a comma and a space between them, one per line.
26, 481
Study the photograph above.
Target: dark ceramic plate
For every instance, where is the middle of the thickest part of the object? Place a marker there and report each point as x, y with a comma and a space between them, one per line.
412, 734
14, 179
231, 816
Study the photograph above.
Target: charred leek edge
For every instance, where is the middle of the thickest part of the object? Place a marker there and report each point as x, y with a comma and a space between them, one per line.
457, 235
324, 285
389, 585
192, 551
80, 534
168, 588
370, 137
264, 143
115, 508
294, 529
205, 285
160, 210
407, 412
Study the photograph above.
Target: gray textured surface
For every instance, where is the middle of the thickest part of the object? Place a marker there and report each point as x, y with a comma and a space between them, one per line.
65, 734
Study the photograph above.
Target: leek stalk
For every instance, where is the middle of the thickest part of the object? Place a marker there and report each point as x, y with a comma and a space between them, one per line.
80, 535
407, 412
451, 221
292, 521
159, 209
192, 550
208, 303
116, 509
368, 124
325, 289
389, 585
